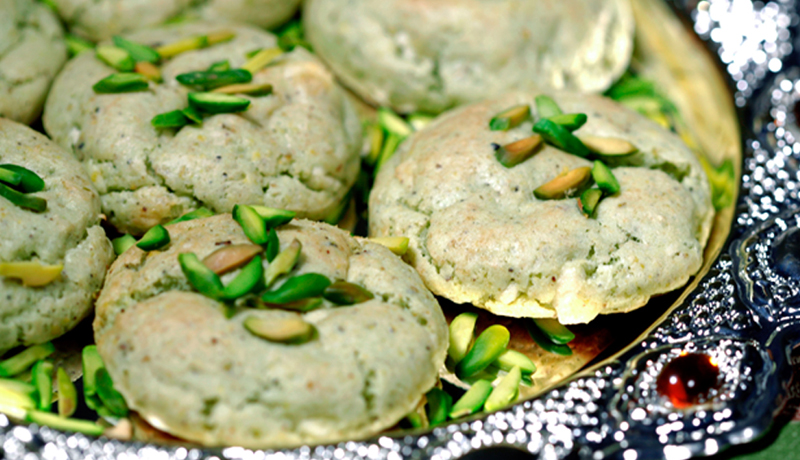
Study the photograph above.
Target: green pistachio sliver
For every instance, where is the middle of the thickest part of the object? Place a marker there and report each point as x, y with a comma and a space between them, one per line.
608, 146
31, 273
261, 59
203, 279
505, 392
77, 45
564, 185
393, 124
546, 107
290, 331
116, 57
544, 341
291, 35
192, 114
605, 179
64, 424
273, 245
283, 263
155, 238
472, 401
18, 386
570, 121
336, 214
16, 397
219, 66
346, 293
246, 281
10, 177
42, 379
516, 152
375, 133
193, 43
462, 329
137, 51
251, 89
32, 203
274, 217
91, 362
198, 213
439, 405
389, 148
490, 344
415, 420
512, 358
510, 118
589, 200
298, 288
396, 244
560, 137
303, 305
110, 397
555, 331
214, 103
419, 120
251, 222
228, 258
171, 119
30, 182
26, 358
67, 394
148, 70
121, 83
206, 80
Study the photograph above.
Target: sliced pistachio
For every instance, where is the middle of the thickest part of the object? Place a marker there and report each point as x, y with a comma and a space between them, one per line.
304, 305
116, 57
198, 213
396, 244
510, 118
439, 405
375, 135
205, 80
155, 238
219, 66
555, 331
393, 124
589, 200
64, 424
220, 37
231, 257
472, 401
564, 185
604, 178
291, 35
137, 51
171, 119
273, 245
110, 397
543, 341
516, 152
31, 274
251, 222
389, 148
512, 358
192, 114
67, 394
292, 331
252, 89
30, 182
10, 177
15, 403
42, 379
200, 277
608, 146
20, 362
462, 329
123, 243
505, 392
546, 107
336, 214
214, 103
570, 121
262, 59
251, 276
416, 420
17, 386
77, 45
346, 293
91, 362
193, 43
150, 71
121, 83
274, 217
419, 120
32, 203
560, 137
283, 263
488, 346
297, 288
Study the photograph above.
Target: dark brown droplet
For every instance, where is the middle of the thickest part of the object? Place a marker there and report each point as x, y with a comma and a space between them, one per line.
688, 379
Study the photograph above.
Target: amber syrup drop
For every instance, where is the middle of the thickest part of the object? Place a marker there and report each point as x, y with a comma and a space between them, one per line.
688, 379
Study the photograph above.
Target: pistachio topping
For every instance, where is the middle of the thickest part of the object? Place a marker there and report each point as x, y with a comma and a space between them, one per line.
251, 276
198, 213
148, 70
505, 392
608, 146
63, 424
10, 177
123, 243
516, 152
589, 200
67, 394
304, 305
560, 137
512, 358
193, 43
252, 89
116, 57
396, 244
346, 293
207, 80
30, 182
171, 119
392, 123
109, 396
604, 178
293, 331
42, 379
77, 45
298, 288
510, 118
155, 238
137, 51
218, 103
273, 245
472, 401
283, 263
121, 83
544, 341
274, 217
202, 278
32, 203
231, 257
546, 107
90, 363
556, 332
262, 59
564, 184
30, 273
489, 345
219, 66
570, 121
192, 114
252, 224
20, 362
439, 405
375, 133
462, 329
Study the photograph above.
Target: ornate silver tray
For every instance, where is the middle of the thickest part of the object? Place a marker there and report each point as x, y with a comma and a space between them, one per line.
740, 323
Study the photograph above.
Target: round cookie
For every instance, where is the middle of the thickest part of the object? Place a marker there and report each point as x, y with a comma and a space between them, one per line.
67, 233
296, 148
431, 55
31, 53
99, 20
192, 372
478, 235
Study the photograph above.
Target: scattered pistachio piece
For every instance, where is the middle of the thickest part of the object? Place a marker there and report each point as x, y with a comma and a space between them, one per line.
64, 424
439, 405
137, 51
30, 182
218, 103
30, 273
155, 238
283, 263
192, 43
472, 401
192, 114
346, 293
589, 200
274, 217
42, 379
246, 281
205, 80
546, 107
419, 120
32, 203
510, 118
505, 392
608, 146
555, 331
200, 277
148, 70
110, 397
171, 119
565, 184
516, 152
10, 177
544, 341
375, 133
292, 331
396, 244
121, 83
20, 362
18, 386
560, 137
604, 178
251, 222
336, 214
77, 45
462, 329
298, 288
304, 305
252, 89
389, 148
393, 124
490, 344
67, 394
219, 66
231, 257
273, 245
570, 121
198, 213
16, 397
116, 57
262, 59
512, 358
91, 362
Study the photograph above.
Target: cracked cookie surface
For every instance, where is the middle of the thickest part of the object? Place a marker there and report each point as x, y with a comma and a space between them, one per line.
478, 235
297, 148
189, 370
